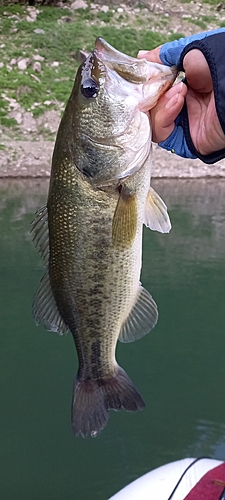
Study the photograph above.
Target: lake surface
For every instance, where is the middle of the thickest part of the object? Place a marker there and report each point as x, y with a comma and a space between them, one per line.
179, 368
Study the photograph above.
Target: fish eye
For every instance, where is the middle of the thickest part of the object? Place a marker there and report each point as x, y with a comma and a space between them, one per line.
89, 88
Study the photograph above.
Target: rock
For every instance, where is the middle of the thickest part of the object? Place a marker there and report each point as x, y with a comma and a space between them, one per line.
23, 89
220, 6
37, 66
17, 115
39, 31
79, 4
55, 64
32, 16
12, 102
120, 10
30, 19
22, 64
28, 123
13, 61
36, 57
1, 64
23, 118
35, 78
49, 121
104, 8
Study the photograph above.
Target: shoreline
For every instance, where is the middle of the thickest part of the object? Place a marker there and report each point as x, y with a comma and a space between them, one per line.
32, 159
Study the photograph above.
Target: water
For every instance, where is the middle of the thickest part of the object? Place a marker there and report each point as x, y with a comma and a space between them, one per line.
178, 368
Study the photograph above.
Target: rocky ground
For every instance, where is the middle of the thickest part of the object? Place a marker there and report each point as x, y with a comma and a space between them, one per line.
31, 157
28, 152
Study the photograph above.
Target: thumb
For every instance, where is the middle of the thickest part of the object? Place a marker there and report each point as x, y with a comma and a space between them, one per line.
150, 55
197, 71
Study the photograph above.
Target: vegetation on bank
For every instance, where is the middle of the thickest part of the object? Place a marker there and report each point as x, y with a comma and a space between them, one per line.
39, 47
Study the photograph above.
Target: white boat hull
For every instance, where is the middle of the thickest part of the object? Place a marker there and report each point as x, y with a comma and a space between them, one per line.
159, 483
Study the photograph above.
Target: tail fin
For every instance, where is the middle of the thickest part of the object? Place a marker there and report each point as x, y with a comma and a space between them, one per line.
93, 398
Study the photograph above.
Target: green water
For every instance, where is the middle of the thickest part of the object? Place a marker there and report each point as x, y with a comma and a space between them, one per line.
178, 368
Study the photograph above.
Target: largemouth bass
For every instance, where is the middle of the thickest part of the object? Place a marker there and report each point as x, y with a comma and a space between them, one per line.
90, 233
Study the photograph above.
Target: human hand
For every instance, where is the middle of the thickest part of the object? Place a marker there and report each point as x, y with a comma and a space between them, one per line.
190, 120
205, 129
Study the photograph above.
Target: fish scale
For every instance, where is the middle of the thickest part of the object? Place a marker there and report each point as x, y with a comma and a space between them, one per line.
98, 269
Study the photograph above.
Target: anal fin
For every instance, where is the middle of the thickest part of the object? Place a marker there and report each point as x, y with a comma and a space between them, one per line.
142, 318
45, 309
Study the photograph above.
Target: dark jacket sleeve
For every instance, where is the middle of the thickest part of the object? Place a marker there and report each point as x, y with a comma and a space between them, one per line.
213, 48
212, 45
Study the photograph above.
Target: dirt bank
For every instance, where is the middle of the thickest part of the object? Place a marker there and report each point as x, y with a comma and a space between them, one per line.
32, 158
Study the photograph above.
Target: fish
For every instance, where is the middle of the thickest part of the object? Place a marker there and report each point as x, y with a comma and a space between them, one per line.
89, 234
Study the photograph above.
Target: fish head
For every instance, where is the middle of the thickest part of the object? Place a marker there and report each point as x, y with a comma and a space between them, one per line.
110, 106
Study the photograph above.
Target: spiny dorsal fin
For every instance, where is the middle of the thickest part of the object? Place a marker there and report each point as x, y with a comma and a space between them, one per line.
41, 233
156, 215
142, 318
45, 310
124, 224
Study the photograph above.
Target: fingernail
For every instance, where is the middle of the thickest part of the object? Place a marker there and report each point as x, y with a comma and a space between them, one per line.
172, 102
179, 87
142, 53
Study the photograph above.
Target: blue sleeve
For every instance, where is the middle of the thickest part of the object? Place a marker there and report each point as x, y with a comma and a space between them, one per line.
176, 143
211, 44
170, 52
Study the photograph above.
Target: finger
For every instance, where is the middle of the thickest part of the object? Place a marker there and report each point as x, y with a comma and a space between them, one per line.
166, 111
150, 55
178, 88
197, 71
164, 124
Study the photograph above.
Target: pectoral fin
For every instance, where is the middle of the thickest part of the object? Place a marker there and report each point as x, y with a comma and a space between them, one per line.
45, 310
142, 318
156, 215
124, 224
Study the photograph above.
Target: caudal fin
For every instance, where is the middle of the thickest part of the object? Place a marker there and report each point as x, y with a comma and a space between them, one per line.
93, 398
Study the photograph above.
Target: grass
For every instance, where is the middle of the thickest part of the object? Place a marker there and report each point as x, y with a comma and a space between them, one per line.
64, 32
203, 22
58, 41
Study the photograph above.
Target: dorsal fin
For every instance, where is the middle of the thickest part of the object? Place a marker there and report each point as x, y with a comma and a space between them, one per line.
156, 215
45, 309
41, 233
142, 318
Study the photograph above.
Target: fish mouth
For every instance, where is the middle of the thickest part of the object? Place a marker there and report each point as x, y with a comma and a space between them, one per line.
128, 88
108, 53
148, 80
130, 68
